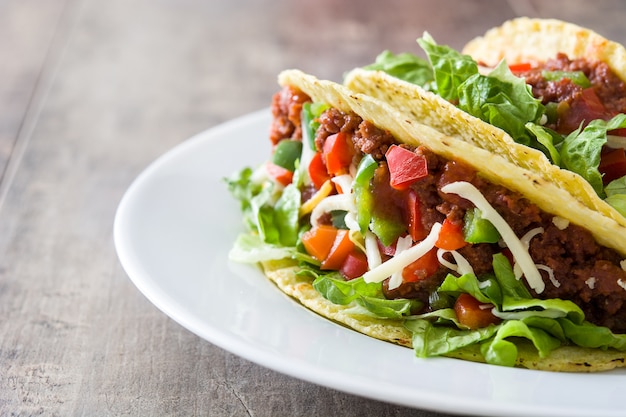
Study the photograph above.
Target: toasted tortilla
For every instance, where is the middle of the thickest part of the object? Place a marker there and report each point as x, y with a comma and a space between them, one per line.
537, 40
563, 359
499, 170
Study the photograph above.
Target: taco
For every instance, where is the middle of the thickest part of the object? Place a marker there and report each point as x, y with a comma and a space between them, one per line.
386, 224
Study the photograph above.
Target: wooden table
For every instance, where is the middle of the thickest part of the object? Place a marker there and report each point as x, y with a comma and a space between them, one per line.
90, 93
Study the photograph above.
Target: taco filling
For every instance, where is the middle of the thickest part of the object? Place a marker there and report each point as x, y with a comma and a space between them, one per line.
419, 240
570, 108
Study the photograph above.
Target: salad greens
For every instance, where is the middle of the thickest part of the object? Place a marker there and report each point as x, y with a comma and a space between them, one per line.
505, 101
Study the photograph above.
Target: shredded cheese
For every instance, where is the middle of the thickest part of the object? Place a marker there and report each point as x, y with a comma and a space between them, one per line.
343, 183
621, 283
404, 259
371, 250
334, 202
623, 264
550, 272
560, 222
403, 244
517, 269
461, 267
520, 253
312, 202
591, 282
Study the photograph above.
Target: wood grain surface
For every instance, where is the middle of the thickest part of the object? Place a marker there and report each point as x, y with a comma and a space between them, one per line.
90, 93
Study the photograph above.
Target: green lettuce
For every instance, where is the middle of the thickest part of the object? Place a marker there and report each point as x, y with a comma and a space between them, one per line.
405, 66
370, 296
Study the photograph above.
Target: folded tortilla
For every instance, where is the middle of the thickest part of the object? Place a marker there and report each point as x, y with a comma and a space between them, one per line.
551, 196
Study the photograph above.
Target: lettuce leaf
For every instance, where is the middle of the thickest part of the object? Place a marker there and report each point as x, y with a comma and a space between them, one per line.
405, 66
503, 100
368, 295
450, 68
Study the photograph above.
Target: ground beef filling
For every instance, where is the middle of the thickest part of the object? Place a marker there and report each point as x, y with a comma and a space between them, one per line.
585, 272
604, 99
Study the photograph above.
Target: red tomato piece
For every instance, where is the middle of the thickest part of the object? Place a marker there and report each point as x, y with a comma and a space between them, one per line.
279, 174
355, 265
317, 171
612, 165
521, 67
422, 268
338, 152
342, 246
414, 217
451, 236
584, 109
472, 313
319, 241
405, 167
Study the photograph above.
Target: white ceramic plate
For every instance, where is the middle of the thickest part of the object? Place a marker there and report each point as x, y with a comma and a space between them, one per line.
173, 230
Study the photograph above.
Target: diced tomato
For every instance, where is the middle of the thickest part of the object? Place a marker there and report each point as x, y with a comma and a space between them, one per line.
387, 250
279, 174
319, 241
355, 265
317, 171
423, 268
612, 165
584, 109
469, 312
618, 132
521, 67
338, 152
342, 246
405, 167
414, 218
451, 236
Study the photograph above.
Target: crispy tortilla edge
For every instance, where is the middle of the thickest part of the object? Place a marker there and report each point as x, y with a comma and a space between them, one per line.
565, 359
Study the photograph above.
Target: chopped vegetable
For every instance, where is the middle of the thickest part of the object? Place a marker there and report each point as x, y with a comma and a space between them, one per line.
405, 167
355, 265
317, 171
338, 152
340, 249
319, 241
363, 194
279, 174
472, 313
414, 217
286, 153
422, 268
476, 229
451, 236
612, 165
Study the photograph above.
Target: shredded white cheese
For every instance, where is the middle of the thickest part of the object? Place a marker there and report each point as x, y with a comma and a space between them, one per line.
403, 244
591, 282
550, 272
621, 283
517, 269
623, 264
461, 267
520, 253
404, 259
371, 250
560, 222
344, 183
333, 202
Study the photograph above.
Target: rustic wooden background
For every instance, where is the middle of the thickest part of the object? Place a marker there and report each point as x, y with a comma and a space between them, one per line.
90, 93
